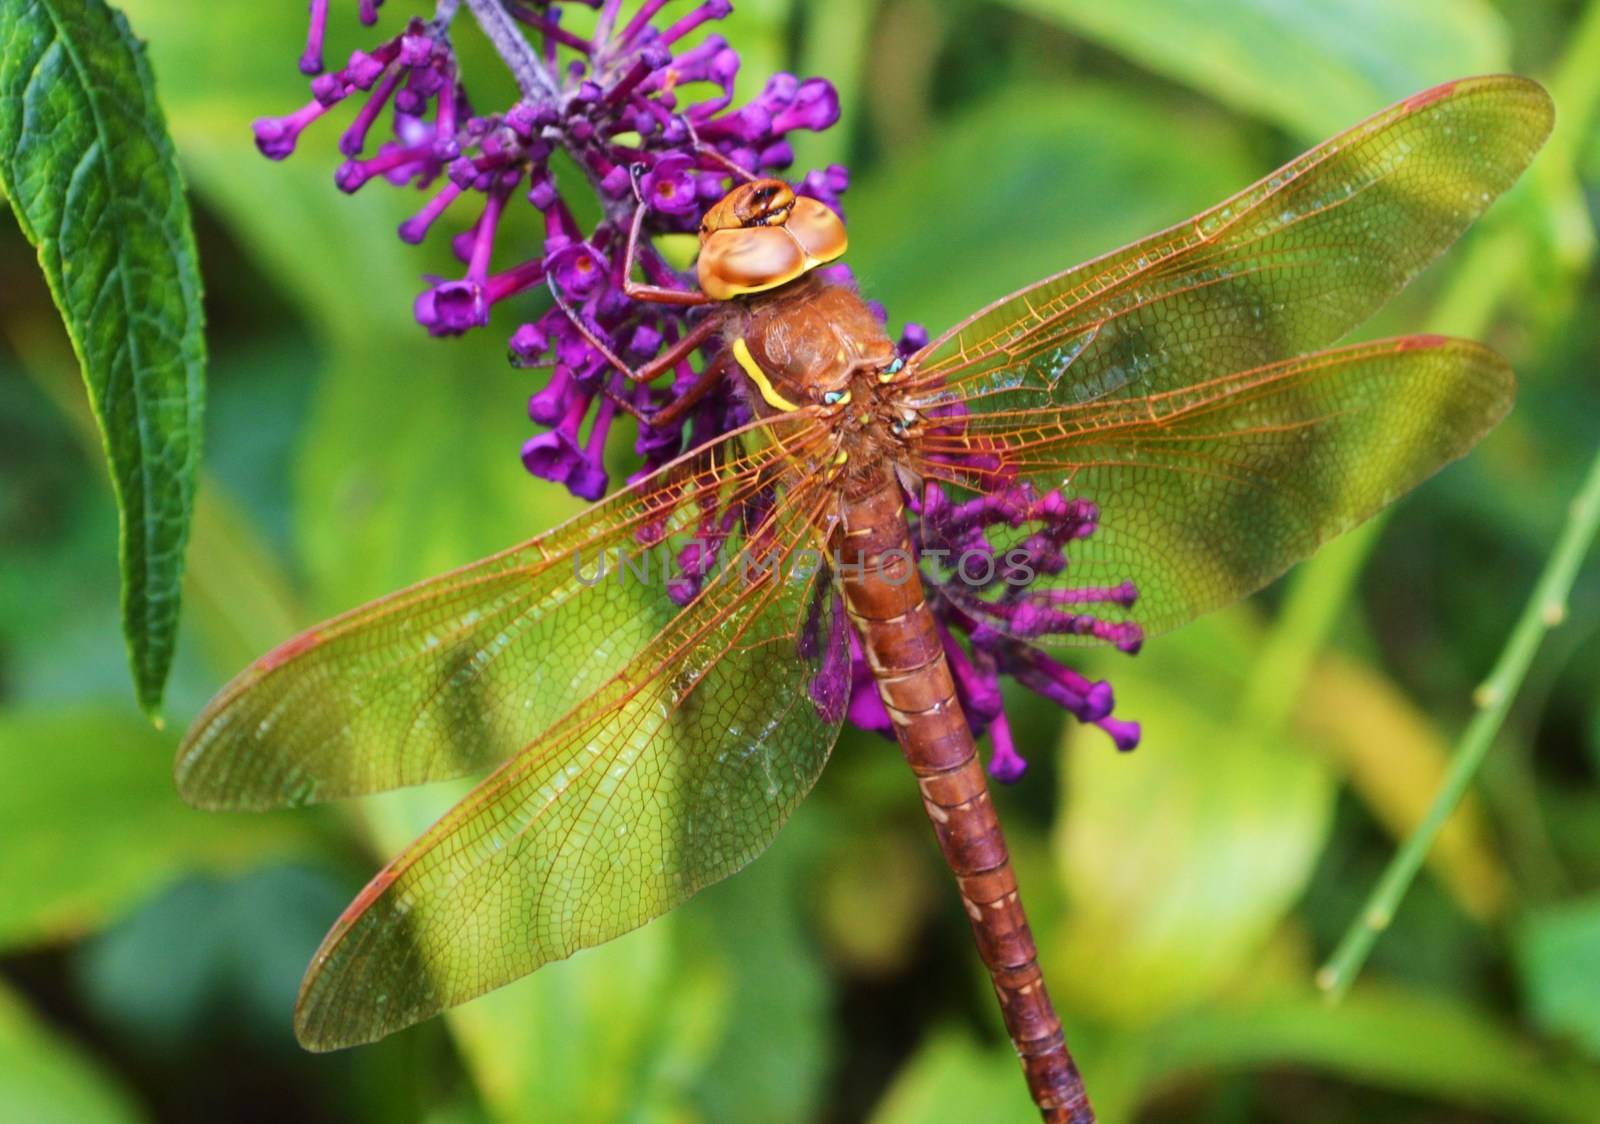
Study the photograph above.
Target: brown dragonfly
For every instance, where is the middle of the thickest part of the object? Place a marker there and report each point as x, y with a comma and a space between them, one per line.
650, 732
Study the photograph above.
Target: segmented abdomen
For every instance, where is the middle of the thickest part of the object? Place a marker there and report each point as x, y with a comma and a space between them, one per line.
900, 639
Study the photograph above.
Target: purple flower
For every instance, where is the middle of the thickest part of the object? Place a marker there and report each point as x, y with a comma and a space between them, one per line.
1005, 764
637, 94
814, 105
644, 108
277, 136
578, 269
451, 307
982, 561
553, 455
669, 188
830, 687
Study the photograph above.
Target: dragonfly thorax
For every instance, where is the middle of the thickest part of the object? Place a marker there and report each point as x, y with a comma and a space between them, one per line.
815, 345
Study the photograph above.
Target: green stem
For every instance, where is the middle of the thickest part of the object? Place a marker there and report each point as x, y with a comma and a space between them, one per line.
1546, 609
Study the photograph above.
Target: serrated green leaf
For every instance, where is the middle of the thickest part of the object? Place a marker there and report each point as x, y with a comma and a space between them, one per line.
89, 169
1312, 68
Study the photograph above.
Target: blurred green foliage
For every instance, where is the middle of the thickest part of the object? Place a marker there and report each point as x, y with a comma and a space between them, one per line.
1182, 896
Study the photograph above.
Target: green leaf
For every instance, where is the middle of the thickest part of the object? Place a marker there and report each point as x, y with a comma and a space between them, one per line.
45, 1080
1437, 1048
410, 462
1312, 68
92, 824
771, 1058
590, 1039
245, 941
88, 166
1558, 958
952, 1078
1182, 858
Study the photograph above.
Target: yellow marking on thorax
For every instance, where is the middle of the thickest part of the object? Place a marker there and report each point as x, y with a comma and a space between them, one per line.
741, 352
838, 464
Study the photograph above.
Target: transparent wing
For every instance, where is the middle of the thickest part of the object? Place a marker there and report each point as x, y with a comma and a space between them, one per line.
457, 673
1208, 492
677, 771
1286, 266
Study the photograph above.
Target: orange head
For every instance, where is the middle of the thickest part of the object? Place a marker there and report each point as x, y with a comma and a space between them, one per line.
761, 235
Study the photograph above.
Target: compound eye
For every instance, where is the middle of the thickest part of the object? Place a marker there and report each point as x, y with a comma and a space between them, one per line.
772, 199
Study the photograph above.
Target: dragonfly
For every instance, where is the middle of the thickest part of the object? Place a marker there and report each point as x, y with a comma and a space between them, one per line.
647, 732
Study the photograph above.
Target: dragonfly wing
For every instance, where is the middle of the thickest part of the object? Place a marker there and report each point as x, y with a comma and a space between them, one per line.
1286, 266
1207, 493
455, 674
677, 772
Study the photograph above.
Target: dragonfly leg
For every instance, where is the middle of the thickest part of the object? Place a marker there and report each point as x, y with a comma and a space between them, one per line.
674, 411
693, 338
701, 333
717, 158
651, 294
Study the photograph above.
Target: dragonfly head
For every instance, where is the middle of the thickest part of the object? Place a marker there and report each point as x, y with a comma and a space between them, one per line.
762, 235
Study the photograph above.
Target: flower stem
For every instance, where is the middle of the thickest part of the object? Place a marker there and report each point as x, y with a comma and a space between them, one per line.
513, 46
1546, 609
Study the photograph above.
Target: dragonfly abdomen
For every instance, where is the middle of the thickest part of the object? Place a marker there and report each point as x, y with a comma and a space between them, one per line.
900, 639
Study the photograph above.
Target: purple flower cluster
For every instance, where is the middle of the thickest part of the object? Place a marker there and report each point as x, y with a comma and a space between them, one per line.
647, 115
617, 102
988, 595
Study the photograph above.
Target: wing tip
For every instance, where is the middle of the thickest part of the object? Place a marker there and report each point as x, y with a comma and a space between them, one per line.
318, 1026
199, 784
1529, 88
199, 740
186, 773
319, 1034
1486, 357
1494, 382
294, 646
1435, 341
1424, 341
1425, 98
